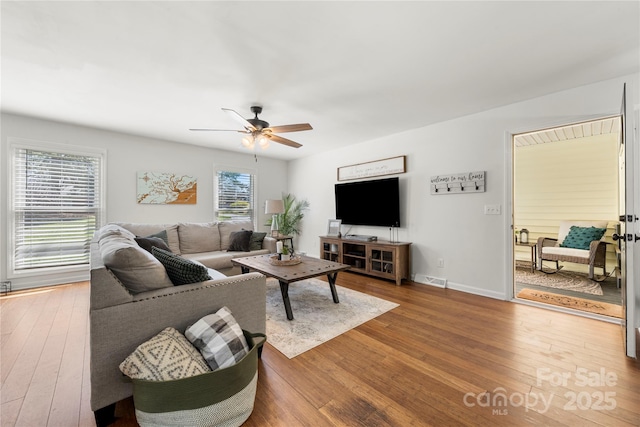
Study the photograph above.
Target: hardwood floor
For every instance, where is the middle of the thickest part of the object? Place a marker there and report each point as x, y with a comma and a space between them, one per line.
427, 362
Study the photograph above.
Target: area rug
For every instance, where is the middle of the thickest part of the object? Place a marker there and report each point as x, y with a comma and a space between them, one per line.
597, 307
316, 318
567, 280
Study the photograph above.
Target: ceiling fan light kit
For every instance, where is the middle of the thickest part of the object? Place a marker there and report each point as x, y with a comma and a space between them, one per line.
258, 131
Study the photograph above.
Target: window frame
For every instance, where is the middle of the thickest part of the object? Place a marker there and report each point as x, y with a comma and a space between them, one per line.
15, 144
216, 195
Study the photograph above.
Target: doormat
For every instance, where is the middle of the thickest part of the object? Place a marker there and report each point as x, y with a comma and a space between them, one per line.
567, 280
581, 304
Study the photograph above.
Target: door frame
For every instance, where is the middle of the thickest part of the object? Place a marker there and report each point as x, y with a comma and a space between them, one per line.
509, 254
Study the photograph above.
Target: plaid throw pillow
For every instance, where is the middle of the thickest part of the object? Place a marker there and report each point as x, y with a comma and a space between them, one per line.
219, 338
166, 356
181, 271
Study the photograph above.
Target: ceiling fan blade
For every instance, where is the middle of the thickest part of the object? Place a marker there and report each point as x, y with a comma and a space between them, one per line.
290, 128
282, 140
238, 118
219, 130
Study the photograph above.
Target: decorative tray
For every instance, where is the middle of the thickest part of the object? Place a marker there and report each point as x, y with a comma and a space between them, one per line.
273, 259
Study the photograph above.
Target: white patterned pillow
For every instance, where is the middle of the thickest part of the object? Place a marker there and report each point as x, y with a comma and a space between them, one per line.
219, 338
166, 356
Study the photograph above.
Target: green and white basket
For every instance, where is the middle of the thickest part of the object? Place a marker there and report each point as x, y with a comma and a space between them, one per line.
220, 398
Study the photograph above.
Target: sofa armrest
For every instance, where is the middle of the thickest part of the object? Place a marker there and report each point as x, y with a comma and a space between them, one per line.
270, 244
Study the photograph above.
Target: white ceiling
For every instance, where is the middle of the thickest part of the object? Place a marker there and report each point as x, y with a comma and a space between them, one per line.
355, 70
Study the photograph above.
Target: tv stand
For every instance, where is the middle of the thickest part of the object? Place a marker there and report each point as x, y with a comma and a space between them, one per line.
380, 258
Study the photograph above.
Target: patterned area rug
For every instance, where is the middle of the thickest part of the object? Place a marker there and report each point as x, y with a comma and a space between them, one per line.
316, 318
603, 308
568, 280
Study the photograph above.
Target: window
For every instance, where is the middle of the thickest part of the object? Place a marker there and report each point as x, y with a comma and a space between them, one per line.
56, 207
234, 196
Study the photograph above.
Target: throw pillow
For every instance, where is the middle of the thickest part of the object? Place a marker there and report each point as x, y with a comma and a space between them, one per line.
147, 243
240, 241
256, 241
581, 237
181, 271
219, 338
137, 269
166, 356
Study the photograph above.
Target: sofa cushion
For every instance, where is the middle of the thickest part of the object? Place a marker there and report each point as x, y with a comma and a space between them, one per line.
143, 229
581, 237
147, 243
166, 356
181, 271
137, 269
226, 227
198, 237
240, 241
219, 338
256, 240
216, 259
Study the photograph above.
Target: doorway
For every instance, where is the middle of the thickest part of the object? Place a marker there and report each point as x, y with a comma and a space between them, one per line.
563, 176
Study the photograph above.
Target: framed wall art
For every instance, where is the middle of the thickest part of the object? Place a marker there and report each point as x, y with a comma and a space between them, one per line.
160, 188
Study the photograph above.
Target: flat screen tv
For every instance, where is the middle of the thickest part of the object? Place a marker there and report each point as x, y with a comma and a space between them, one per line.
374, 202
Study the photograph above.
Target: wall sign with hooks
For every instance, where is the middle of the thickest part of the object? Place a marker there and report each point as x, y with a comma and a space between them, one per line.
458, 183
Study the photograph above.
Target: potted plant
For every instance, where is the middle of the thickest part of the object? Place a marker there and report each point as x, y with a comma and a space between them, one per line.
289, 221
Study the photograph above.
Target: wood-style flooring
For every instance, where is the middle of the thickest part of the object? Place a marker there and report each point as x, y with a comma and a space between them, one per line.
442, 358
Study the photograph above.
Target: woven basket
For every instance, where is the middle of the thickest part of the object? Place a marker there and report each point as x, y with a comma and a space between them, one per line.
220, 398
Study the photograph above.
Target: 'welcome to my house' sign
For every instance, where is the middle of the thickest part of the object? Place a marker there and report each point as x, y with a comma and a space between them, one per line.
458, 183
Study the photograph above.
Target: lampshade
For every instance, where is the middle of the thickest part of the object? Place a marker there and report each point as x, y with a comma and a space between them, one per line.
274, 207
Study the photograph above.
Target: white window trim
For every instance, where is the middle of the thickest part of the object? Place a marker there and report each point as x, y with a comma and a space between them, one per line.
29, 144
227, 168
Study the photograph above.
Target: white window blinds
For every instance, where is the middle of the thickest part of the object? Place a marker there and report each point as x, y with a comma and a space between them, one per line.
57, 206
235, 196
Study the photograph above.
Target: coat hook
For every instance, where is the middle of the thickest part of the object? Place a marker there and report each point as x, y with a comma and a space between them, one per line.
448, 188
461, 187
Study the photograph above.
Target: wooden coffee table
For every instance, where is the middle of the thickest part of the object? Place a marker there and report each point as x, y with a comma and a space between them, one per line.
309, 267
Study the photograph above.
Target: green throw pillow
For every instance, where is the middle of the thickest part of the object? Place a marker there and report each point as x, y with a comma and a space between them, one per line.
180, 270
581, 237
256, 241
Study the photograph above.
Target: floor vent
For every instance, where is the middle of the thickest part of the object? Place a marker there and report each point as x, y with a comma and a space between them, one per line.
430, 280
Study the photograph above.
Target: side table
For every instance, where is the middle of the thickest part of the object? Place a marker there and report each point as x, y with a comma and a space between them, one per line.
534, 253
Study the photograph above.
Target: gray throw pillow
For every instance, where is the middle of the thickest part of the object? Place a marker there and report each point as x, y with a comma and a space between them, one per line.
240, 241
181, 271
147, 243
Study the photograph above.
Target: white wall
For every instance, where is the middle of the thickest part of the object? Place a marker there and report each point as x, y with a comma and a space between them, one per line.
453, 227
126, 155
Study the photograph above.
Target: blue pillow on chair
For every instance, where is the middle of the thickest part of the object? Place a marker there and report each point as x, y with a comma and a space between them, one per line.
581, 237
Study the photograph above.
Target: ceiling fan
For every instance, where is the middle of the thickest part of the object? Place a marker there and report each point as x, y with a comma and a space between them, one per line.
259, 132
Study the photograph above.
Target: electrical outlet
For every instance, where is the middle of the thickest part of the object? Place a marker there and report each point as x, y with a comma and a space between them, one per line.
441, 262
492, 209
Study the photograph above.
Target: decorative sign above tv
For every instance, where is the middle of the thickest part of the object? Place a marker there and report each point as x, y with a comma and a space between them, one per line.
458, 183
382, 167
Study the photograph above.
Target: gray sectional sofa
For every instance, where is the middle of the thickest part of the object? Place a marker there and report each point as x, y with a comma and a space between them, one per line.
132, 298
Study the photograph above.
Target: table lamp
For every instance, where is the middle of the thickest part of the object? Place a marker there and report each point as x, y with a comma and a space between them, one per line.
274, 207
